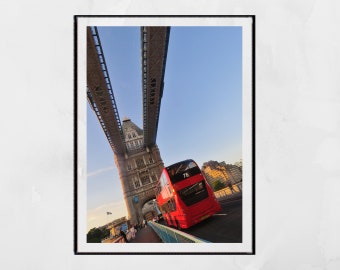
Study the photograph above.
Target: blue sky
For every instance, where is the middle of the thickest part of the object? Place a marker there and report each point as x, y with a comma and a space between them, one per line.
201, 108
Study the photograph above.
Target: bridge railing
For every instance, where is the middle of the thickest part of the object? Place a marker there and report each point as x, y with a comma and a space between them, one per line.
170, 235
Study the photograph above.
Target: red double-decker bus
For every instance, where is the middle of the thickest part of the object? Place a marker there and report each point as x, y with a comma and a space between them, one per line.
184, 196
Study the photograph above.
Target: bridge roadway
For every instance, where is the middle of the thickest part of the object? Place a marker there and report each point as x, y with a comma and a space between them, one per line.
224, 227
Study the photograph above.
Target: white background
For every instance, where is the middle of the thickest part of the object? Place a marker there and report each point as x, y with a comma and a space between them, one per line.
297, 134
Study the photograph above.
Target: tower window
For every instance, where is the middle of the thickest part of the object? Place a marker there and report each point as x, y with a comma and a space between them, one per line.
140, 163
145, 179
136, 182
154, 178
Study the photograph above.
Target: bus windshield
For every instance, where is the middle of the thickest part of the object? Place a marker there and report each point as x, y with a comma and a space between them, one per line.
182, 170
194, 193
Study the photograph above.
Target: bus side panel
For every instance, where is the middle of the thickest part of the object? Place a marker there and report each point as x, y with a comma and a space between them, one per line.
188, 216
164, 199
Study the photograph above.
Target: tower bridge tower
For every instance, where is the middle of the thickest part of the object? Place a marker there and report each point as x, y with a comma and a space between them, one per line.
136, 154
139, 169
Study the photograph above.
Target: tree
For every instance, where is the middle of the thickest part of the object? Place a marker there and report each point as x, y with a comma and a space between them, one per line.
218, 185
95, 235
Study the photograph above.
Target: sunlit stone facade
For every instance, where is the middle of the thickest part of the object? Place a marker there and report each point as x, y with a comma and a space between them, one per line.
139, 170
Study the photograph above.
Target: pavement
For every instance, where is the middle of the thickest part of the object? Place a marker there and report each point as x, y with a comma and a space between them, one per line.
146, 235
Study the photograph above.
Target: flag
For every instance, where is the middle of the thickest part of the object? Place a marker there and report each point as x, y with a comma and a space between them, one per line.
108, 213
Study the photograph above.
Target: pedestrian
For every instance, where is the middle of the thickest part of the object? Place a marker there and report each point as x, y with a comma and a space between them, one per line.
122, 233
133, 232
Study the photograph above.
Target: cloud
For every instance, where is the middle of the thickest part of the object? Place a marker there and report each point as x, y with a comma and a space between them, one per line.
101, 171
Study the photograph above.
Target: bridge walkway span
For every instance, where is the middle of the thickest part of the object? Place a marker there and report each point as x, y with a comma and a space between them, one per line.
146, 235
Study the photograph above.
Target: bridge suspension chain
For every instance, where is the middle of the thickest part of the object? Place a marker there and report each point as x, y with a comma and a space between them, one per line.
154, 49
102, 61
107, 82
95, 109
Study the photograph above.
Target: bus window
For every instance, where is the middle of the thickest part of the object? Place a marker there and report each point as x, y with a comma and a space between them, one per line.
172, 205
182, 170
194, 193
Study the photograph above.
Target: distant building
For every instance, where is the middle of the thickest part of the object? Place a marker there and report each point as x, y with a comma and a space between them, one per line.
214, 172
239, 164
234, 172
115, 225
220, 171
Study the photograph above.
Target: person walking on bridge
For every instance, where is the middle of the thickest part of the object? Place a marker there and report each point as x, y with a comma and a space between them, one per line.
122, 233
145, 223
133, 232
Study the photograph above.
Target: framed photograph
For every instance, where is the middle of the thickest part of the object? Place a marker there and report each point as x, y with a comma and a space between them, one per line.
164, 134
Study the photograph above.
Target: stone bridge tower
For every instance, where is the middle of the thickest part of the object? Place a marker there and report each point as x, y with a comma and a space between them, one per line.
139, 170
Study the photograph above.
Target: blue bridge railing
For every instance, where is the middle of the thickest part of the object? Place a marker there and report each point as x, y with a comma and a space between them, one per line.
170, 235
